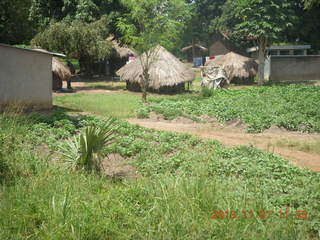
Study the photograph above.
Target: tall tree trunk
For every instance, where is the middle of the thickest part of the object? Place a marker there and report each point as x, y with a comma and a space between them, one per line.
262, 55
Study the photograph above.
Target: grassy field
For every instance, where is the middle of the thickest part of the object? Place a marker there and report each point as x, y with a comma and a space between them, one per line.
294, 107
187, 188
119, 105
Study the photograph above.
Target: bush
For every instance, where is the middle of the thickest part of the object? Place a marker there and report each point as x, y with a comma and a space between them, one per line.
84, 151
206, 92
143, 112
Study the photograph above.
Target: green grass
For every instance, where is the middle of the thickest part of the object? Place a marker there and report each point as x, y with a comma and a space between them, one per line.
313, 147
119, 105
294, 107
182, 181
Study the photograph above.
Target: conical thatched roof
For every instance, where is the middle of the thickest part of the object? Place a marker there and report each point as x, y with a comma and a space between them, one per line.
236, 66
165, 71
60, 69
121, 50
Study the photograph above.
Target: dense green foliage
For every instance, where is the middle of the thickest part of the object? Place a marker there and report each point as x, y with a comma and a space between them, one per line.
203, 22
87, 42
183, 181
311, 3
294, 107
15, 27
260, 20
20, 20
46, 11
153, 22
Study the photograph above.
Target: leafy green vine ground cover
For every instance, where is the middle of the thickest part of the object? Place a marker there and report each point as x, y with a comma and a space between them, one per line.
294, 107
184, 181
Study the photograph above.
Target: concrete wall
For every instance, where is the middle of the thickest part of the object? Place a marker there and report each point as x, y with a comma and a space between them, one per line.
25, 77
294, 68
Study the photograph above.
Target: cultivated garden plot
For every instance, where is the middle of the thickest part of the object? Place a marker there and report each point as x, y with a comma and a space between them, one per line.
185, 187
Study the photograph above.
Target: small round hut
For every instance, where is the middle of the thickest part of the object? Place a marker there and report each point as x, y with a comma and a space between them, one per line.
119, 56
167, 73
239, 69
60, 72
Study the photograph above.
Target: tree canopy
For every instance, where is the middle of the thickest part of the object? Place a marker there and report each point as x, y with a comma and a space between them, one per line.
85, 41
260, 20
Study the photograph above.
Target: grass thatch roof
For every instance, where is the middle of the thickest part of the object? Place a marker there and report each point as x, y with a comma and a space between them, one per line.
202, 48
60, 69
121, 50
165, 71
236, 66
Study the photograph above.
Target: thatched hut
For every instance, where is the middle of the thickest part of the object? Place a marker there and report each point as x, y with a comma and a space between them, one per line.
119, 56
239, 69
60, 72
167, 73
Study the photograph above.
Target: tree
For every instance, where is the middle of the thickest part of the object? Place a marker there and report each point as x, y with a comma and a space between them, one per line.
260, 20
45, 12
203, 21
14, 24
311, 3
77, 39
150, 23
306, 27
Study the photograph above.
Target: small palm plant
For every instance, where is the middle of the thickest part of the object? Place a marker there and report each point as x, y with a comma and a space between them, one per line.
84, 151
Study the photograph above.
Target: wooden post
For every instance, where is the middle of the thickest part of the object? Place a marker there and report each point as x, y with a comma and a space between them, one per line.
193, 50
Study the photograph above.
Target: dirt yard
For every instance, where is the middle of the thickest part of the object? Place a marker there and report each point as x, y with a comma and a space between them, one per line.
233, 134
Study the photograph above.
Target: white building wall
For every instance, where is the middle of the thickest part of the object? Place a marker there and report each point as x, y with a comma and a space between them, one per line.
25, 77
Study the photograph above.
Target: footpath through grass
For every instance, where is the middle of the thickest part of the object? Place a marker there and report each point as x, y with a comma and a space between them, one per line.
188, 188
294, 107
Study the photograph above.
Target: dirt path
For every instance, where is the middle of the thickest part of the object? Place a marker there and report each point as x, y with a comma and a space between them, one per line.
234, 135
82, 88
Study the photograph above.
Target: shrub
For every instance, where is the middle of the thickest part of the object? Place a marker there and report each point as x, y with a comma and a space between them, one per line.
206, 92
143, 112
85, 150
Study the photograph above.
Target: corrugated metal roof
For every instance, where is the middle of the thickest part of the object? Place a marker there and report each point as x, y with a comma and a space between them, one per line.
285, 47
34, 50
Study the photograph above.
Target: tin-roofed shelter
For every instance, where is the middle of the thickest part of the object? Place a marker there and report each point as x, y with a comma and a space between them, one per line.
288, 50
26, 77
194, 51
